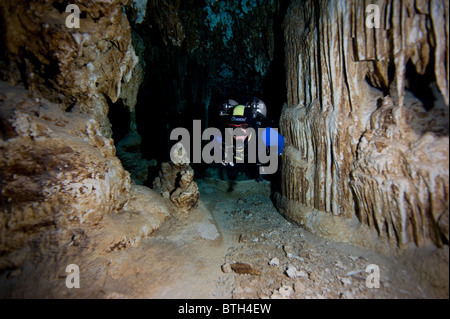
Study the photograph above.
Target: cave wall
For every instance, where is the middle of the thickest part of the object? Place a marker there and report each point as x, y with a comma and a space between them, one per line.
78, 67
60, 179
366, 160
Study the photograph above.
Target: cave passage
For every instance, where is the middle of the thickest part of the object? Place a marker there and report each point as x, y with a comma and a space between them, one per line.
223, 50
90, 180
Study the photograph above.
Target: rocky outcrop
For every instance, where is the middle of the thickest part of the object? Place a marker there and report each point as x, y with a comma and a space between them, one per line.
367, 155
176, 182
76, 67
59, 177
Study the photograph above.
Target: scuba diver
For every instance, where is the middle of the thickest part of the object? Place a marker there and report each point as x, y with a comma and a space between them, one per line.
241, 118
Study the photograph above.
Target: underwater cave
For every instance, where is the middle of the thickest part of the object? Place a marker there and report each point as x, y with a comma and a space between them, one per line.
213, 149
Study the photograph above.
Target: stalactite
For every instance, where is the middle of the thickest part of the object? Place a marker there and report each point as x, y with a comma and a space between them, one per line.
368, 147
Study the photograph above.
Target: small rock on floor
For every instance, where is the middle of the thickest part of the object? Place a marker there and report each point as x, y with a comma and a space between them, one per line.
274, 262
241, 268
226, 268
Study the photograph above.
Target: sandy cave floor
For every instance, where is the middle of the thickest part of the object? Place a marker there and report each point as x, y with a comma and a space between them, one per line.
189, 257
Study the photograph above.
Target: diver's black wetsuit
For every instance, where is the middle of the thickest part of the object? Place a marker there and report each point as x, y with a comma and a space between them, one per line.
251, 170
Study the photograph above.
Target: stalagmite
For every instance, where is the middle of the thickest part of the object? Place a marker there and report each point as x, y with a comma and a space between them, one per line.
176, 182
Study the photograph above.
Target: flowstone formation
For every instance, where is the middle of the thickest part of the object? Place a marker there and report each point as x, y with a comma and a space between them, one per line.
176, 182
366, 123
63, 191
61, 183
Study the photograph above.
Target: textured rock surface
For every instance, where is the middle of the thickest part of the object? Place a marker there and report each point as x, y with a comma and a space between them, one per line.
176, 181
61, 184
362, 149
59, 179
76, 67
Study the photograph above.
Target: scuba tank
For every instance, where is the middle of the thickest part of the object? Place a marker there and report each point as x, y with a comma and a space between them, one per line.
227, 106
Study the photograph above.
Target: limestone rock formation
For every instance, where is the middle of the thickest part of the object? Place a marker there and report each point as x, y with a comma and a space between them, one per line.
77, 67
176, 182
141, 215
367, 154
61, 184
59, 177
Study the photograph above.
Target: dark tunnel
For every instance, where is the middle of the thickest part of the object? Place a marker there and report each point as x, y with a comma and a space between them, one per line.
190, 79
